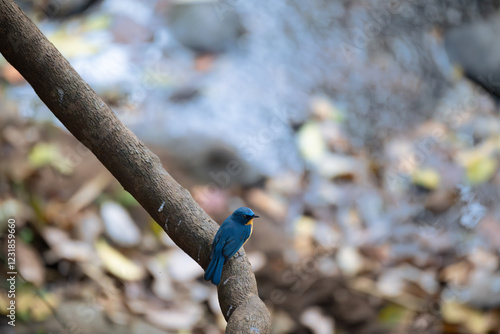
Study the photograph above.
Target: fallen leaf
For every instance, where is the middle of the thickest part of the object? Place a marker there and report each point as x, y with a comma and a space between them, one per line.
457, 273
338, 166
481, 170
456, 313
71, 45
479, 163
119, 226
317, 322
311, 144
62, 247
323, 108
426, 178
30, 264
182, 268
88, 192
349, 260
304, 230
28, 302
180, 318
162, 284
268, 204
393, 315
283, 323
119, 265
45, 154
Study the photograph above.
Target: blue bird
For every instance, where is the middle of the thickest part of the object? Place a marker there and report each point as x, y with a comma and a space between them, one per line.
232, 234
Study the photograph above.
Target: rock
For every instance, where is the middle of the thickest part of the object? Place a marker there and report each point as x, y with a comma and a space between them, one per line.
203, 27
57, 9
473, 47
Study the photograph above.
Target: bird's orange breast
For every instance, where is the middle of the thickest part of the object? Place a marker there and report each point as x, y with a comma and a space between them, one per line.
251, 230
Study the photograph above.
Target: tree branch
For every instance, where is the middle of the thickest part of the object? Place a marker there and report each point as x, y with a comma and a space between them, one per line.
139, 171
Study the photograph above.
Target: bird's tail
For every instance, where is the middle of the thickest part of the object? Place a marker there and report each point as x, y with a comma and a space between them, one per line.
214, 269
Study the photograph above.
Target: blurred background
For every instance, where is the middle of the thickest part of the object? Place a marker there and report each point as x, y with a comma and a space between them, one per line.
364, 133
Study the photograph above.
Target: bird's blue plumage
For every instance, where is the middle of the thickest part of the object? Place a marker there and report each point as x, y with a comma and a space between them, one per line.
232, 234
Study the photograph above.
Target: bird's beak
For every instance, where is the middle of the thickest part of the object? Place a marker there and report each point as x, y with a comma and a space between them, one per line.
255, 216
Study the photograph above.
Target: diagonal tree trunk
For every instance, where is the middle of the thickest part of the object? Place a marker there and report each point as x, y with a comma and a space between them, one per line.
139, 171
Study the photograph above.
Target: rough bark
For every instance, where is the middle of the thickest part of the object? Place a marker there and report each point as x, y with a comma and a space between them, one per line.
139, 171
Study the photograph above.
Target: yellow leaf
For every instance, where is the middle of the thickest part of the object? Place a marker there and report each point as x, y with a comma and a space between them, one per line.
310, 141
349, 260
393, 315
427, 178
304, 230
324, 109
453, 312
481, 170
72, 45
304, 226
117, 264
40, 311
28, 302
97, 22
157, 230
456, 313
45, 154
480, 163
126, 199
